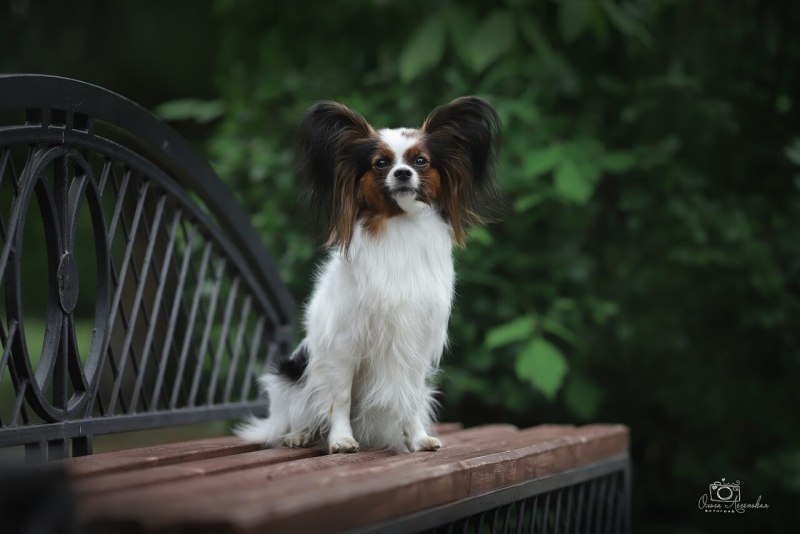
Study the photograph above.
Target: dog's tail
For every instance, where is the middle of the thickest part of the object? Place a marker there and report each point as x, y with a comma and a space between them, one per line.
264, 431
278, 383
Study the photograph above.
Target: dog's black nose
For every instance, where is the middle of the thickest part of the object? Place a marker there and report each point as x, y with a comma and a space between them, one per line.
403, 175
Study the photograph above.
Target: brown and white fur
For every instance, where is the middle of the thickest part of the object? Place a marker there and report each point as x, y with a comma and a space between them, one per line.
396, 200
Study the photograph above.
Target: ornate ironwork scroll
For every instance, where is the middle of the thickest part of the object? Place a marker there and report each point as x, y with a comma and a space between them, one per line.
161, 304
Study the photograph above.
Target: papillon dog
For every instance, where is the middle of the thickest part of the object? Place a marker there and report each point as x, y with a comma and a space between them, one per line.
396, 202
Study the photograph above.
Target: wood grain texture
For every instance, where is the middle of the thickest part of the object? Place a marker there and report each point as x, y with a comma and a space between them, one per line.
258, 471
176, 453
299, 489
168, 453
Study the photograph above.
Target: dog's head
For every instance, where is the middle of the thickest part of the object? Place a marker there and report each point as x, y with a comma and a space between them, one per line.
356, 171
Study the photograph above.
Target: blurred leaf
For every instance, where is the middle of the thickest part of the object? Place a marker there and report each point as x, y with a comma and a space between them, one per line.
525, 203
533, 34
557, 329
424, 50
618, 162
572, 184
540, 161
479, 234
793, 151
543, 365
582, 396
522, 109
626, 23
513, 331
461, 22
493, 38
602, 310
574, 17
201, 111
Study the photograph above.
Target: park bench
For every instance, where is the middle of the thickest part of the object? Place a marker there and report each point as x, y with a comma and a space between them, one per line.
161, 308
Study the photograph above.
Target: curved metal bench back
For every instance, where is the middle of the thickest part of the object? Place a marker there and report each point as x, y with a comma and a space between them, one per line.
187, 305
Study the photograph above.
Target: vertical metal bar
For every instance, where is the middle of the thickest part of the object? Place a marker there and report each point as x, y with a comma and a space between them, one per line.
628, 495
510, 511
173, 317
82, 446
521, 516
5, 154
534, 514
495, 518
144, 311
35, 452
115, 306
209, 324
237, 351
223, 341
569, 513
610, 502
546, 514
590, 506
579, 507
104, 176
20, 386
120, 201
465, 524
481, 517
198, 292
12, 227
134, 313
601, 498
60, 371
129, 324
173, 234
557, 517
7, 340
252, 358
57, 449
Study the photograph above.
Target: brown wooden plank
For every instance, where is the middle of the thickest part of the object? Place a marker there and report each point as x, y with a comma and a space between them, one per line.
173, 453
378, 497
145, 498
168, 453
259, 501
129, 480
444, 428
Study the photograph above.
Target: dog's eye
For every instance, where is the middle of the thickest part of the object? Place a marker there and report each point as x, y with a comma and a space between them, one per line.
419, 161
382, 163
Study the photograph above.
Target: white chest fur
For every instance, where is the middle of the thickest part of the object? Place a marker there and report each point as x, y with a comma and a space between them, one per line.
394, 290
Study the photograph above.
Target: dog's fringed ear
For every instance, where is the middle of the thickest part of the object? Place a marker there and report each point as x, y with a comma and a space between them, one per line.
333, 152
464, 138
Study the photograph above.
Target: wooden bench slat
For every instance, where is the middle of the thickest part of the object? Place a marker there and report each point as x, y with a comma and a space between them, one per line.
189, 491
399, 492
168, 453
129, 480
378, 488
173, 453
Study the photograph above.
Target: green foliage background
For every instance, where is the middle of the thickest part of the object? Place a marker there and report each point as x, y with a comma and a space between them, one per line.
647, 268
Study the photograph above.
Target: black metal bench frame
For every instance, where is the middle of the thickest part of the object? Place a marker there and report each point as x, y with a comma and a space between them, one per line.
71, 144
164, 353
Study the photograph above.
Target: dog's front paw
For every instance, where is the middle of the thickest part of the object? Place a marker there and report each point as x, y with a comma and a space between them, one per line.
298, 439
426, 443
343, 444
